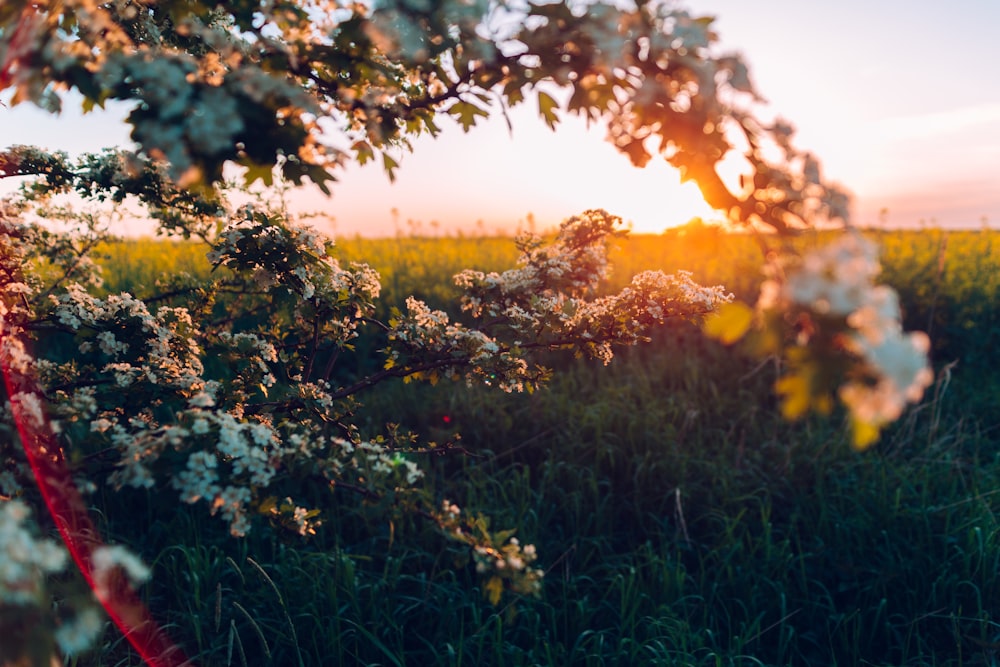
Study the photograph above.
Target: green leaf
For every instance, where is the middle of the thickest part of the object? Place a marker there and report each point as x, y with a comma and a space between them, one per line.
90, 103
362, 151
432, 128
513, 93
729, 323
267, 505
493, 589
547, 107
320, 177
502, 536
465, 113
863, 434
795, 390
390, 166
255, 172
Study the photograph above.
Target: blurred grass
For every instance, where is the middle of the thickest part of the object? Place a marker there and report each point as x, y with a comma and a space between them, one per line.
680, 520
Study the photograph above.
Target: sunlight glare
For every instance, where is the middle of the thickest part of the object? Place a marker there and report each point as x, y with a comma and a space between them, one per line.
654, 199
590, 173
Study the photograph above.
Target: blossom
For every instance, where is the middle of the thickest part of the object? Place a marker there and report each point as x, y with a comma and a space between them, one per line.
29, 407
107, 560
25, 560
76, 635
201, 400
199, 479
838, 281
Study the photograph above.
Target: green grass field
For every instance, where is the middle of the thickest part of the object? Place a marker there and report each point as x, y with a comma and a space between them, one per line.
679, 519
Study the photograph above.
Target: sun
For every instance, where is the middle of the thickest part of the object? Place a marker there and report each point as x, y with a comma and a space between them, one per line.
583, 170
653, 199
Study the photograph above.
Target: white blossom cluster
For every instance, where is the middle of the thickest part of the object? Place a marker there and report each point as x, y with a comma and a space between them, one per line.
514, 558
296, 258
26, 564
550, 296
16, 289
257, 355
27, 559
626, 318
107, 561
547, 302
573, 265
382, 462
78, 634
227, 461
838, 281
423, 331
231, 462
138, 346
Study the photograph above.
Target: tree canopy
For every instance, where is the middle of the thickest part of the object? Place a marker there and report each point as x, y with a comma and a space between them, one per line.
306, 86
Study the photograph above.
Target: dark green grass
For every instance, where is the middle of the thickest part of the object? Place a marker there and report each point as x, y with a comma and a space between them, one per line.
680, 521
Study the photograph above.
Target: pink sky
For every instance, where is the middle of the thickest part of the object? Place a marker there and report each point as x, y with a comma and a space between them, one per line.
899, 99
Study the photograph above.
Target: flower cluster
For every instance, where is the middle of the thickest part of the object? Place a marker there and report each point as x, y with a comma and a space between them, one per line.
109, 562
27, 568
548, 302
27, 559
424, 333
296, 260
551, 295
500, 558
832, 294
237, 413
135, 344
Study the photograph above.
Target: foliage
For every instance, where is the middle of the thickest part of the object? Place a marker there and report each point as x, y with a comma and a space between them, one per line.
248, 83
678, 517
833, 295
651, 72
239, 391
230, 393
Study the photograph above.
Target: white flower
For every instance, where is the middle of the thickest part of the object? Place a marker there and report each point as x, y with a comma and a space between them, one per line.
109, 345
24, 559
29, 408
201, 400
902, 360
106, 559
100, 425
77, 635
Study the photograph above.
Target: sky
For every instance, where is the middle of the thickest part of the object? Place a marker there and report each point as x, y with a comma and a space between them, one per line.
899, 99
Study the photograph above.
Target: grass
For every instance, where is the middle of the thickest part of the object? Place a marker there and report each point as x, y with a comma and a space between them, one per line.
680, 520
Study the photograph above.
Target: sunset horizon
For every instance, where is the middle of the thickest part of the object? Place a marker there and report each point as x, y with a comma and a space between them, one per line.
909, 158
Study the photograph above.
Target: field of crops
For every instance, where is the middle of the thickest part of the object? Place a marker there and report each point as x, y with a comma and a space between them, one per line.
679, 519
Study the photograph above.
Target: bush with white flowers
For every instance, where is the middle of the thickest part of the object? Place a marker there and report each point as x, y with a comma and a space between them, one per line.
237, 400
